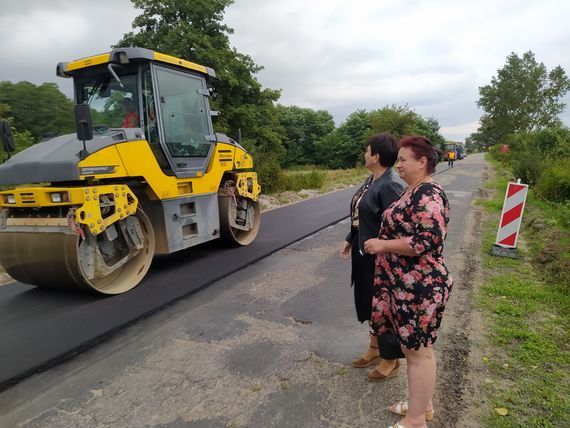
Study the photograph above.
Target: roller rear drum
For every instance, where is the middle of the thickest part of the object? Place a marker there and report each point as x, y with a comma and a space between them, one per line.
239, 219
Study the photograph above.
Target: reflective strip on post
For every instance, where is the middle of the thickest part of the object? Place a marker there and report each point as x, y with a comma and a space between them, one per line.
511, 216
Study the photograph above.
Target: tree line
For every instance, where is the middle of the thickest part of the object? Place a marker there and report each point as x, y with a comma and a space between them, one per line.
521, 126
33, 110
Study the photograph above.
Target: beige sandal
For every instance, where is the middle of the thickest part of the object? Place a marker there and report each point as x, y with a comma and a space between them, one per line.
401, 409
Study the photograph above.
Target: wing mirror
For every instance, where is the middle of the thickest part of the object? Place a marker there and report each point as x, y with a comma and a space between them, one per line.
84, 126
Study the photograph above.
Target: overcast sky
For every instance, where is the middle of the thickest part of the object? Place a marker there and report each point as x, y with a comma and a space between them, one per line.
337, 55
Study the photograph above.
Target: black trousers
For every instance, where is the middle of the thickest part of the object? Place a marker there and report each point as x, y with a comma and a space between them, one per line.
362, 281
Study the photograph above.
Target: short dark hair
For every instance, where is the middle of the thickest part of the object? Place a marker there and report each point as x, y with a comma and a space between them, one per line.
421, 147
386, 146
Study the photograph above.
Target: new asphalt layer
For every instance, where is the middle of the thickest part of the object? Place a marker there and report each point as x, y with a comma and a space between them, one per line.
41, 328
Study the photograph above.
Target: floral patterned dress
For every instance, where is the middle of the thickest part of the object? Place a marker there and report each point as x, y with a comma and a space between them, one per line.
410, 292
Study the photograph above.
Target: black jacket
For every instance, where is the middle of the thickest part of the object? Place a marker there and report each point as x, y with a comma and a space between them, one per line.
382, 192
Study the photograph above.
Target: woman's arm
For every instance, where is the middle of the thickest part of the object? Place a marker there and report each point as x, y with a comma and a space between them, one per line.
345, 250
430, 227
399, 246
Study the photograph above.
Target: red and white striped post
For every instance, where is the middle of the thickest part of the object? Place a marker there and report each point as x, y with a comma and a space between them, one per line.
511, 219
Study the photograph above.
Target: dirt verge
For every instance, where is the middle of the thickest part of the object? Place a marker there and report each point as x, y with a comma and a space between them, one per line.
458, 375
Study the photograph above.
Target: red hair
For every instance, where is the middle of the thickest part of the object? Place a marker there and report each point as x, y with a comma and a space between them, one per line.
421, 147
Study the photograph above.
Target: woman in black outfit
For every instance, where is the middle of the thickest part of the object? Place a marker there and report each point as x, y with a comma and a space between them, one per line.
379, 190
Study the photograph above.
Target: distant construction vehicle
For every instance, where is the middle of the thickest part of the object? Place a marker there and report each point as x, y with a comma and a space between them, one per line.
453, 147
89, 211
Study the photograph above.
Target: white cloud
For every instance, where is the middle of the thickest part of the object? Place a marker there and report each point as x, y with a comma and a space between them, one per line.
337, 55
36, 35
343, 55
458, 132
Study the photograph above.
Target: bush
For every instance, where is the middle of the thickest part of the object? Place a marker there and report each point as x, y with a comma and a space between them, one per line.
528, 168
502, 157
269, 173
554, 182
23, 140
305, 167
303, 180
542, 160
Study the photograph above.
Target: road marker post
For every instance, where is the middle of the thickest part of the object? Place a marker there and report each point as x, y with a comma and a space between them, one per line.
511, 218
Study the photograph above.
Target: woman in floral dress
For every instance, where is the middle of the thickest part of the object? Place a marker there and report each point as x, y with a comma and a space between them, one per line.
412, 283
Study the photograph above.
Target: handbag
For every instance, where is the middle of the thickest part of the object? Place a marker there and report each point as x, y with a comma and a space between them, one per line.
389, 346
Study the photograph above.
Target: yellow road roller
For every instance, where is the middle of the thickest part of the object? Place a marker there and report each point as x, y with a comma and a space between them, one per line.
145, 174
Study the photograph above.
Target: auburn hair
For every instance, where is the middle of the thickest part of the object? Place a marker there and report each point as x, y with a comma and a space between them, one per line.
421, 147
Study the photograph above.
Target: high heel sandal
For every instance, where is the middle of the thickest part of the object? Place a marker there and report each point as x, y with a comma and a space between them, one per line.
401, 409
362, 362
375, 376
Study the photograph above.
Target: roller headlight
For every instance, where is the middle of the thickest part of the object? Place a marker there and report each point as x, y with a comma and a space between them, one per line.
59, 197
10, 199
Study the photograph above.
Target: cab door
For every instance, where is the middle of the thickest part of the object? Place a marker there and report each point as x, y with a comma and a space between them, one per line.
184, 120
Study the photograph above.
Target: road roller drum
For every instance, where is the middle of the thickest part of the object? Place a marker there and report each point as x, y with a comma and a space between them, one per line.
64, 259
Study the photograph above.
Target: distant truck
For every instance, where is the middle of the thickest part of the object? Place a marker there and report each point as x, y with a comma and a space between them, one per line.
455, 147
448, 147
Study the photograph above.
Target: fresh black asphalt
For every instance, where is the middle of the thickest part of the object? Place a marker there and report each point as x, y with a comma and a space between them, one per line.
40, 328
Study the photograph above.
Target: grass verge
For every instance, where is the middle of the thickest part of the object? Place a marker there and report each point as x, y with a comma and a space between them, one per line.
526, 305
322, 179
307, 183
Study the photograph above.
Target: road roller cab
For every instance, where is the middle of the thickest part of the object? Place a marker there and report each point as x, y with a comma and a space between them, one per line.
91, 210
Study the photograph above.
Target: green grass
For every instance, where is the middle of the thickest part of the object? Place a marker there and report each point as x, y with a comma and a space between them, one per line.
321, 179
344, 177
299, 180
528, 324
557, 213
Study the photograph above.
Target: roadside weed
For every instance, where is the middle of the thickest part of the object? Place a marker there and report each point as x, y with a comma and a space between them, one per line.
526, 308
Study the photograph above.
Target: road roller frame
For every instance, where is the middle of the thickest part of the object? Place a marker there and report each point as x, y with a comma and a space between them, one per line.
95, 211
90, 204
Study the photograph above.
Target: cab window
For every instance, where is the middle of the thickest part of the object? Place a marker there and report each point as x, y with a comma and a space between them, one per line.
112, 105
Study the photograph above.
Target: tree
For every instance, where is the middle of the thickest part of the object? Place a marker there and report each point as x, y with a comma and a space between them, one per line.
429, 128
38, 109
474, 144
401, 120
397, 120
5, 112
523, 97
23, 139
193, 30
303, 129
344, 147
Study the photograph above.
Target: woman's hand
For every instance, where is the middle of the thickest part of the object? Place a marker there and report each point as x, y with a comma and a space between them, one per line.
345, 251
374, 246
